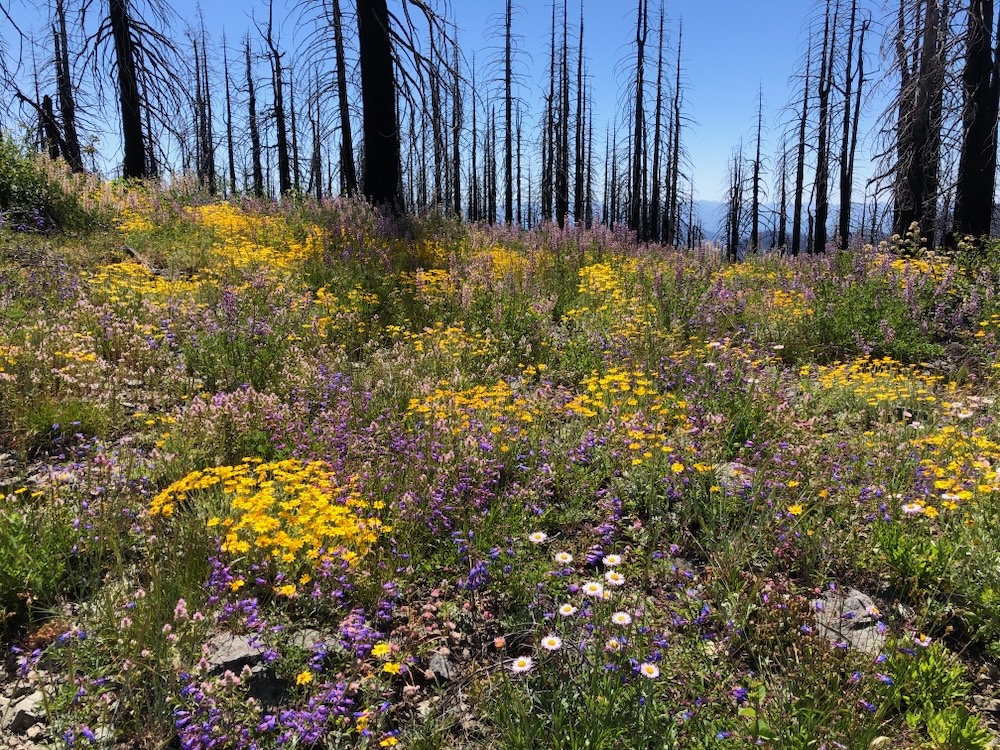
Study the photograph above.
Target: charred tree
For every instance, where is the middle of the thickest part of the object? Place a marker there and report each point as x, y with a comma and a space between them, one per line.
474, 214
977, 164
134, 163
348, 175
456, 133
800, 165
278, 106
230, 147
655, 222
782, 238
64, 88
756, 179
851, 116
674, 167
562, 154
579, 196
254, 127
50, 129
508, 145
209, 142
636, 208
919, 134
821, 183
296, 183
735, 202
380, 122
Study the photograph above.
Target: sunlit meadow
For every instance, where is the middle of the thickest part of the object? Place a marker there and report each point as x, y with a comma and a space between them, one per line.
467, 487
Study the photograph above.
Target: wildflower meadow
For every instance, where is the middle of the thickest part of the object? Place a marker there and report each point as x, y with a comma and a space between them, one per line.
295, 475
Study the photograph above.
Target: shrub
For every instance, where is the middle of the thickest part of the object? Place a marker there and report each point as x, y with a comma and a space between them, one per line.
30, 198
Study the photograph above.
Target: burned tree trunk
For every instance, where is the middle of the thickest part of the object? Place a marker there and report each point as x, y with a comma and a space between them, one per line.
64, 88
977, 164
348, 174
255, 155
130, 102
380, 122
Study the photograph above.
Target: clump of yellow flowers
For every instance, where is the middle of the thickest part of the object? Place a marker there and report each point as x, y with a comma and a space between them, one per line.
879, 381
293, 512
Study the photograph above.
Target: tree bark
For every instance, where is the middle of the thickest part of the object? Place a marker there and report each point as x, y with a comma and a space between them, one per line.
255, 155
348, 175
821, 184
636, 208
800, 165
281, 132
846, 152
64, 89
230, 149
755, 198
562, 158
655, 222
977, 164
382, 179
130, 102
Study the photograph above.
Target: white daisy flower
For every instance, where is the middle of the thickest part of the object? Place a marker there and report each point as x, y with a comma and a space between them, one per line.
614, 578
551, 643
521, 664
593, 588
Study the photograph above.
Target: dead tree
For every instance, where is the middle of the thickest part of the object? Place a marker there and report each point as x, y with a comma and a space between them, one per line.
64, 86
977, 164
824, 86
636, 207
800, 163
254, 126
755, 180
278, 104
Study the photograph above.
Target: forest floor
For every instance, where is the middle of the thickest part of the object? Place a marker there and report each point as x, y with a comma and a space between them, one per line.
296, 476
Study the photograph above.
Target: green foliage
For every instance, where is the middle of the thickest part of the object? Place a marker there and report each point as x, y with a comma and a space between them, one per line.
919, 564
871, 313
928, 684
585, 708
45, 421
955, 728
659, 554
31, 583
30, 198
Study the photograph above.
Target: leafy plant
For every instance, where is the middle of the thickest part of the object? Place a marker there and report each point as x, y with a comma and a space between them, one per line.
919, 563
956, 728
36, 545
30, 199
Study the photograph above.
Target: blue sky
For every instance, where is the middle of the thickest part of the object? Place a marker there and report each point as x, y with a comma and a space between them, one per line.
731, 47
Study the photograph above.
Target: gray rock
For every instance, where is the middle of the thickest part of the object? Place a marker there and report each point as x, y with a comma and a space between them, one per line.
231, 651
307, 638
441, 667
103, 734
849, 617
35, 732
733, 475
27, 712
985, 703
20, 689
